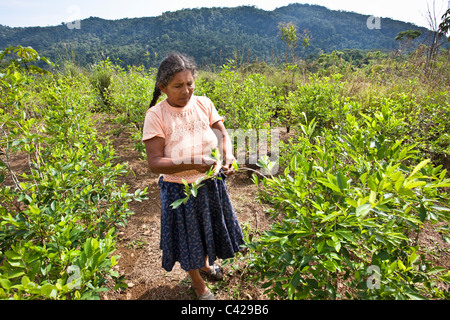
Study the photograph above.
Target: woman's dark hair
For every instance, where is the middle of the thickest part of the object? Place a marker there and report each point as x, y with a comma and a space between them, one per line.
171, 65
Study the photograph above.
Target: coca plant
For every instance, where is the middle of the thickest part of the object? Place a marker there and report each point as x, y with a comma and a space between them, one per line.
351, 204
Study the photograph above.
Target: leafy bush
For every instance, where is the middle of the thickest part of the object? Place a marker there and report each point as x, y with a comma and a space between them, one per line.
320, 99
100, 78
354, 194
58, 216
246, 103
351, 204
130, 93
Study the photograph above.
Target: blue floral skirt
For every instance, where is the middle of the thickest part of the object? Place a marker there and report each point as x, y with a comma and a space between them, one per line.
205, 225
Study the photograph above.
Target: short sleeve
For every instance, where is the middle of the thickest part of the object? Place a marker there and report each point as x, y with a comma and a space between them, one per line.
153, 126
213, 114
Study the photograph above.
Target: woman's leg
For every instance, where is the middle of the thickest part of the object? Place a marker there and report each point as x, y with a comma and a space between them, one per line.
207, 267
213, 272
197, 282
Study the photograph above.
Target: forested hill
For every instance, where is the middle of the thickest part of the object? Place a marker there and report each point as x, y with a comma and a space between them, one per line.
211, 35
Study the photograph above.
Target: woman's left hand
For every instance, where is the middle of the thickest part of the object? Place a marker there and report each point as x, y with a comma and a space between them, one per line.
228, 168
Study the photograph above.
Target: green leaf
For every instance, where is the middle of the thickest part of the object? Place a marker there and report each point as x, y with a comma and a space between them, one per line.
330, 185
194, 191
397, 235
35, 210
320, 246
87, 248
401, 266
351, 202
436, 270
255, 179
312, 283
419, 166
372, 184
12, 255
235, 166
341, 180
439, 208
337, 245
422, 213
47, 61
178, 203
329, 265
392, 267
94, 244
415, 296
295, 279
373, 197
399, 183
305, 260
6, 284
330, 217
49, 290
15, 273
348, 235
414, 184
198, 181
363, 210
25, 280
307, 223
53, 206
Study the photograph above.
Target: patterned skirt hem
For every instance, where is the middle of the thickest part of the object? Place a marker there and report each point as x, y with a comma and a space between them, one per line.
206, 225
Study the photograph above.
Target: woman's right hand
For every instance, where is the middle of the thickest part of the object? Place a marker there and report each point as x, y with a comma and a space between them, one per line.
207, 163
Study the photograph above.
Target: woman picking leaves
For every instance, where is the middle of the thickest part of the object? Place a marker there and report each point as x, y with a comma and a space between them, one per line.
179, 134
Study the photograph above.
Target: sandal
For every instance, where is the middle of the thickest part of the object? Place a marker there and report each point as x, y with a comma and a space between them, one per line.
215, 273
207, 296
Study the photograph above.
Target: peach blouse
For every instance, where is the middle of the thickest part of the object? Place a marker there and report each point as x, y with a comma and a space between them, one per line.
187, 132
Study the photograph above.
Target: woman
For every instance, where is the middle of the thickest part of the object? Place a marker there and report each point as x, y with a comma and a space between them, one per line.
179, 134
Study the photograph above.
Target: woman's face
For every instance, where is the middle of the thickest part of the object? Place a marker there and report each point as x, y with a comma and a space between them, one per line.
180, 90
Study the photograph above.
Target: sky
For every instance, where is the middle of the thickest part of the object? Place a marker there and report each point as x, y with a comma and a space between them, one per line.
27, 13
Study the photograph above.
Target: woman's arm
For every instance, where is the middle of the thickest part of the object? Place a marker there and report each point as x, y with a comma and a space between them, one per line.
225, 146
162, 165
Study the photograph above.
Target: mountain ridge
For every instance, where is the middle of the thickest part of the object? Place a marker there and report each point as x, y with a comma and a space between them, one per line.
210, 35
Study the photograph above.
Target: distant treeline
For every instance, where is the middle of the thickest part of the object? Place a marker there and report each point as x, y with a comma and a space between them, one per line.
211, 35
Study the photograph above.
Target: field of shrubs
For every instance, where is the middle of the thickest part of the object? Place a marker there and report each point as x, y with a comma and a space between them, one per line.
363, 173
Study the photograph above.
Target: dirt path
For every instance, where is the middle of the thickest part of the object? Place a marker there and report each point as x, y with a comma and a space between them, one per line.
138, 243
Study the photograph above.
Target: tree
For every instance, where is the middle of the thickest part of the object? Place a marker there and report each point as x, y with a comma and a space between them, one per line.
438, 32
444, 27
289, 36
409, 35
406, 37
